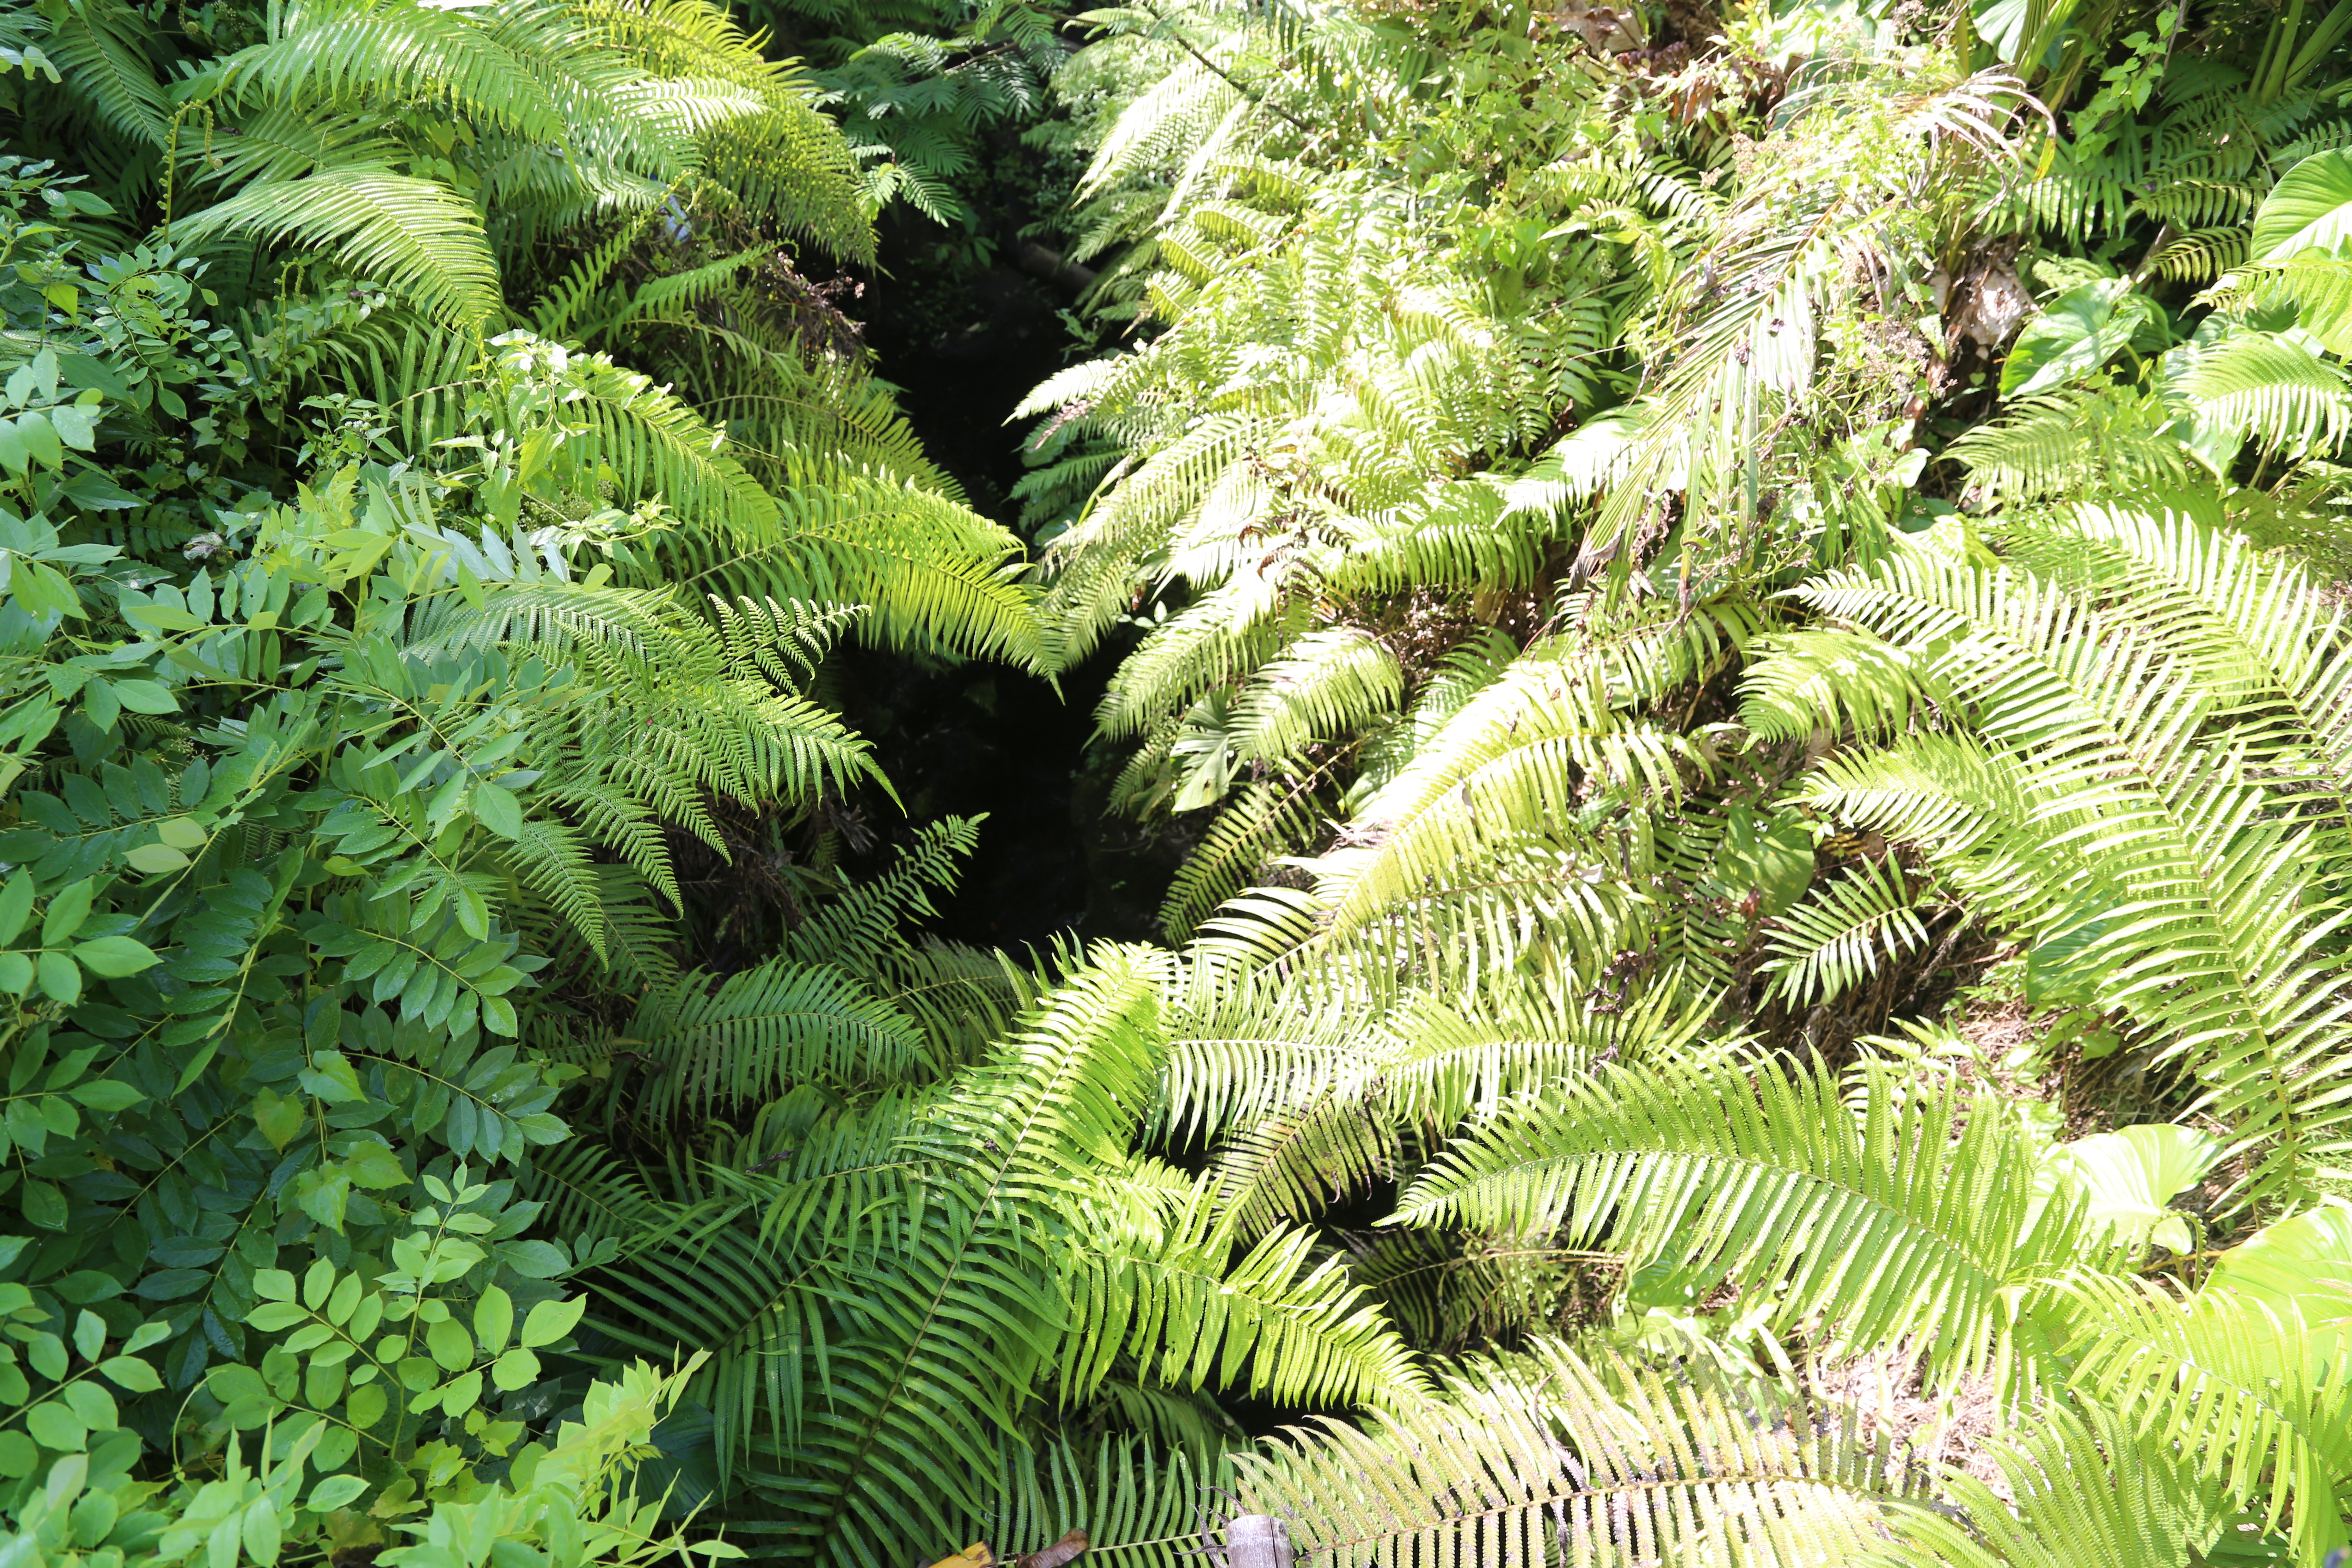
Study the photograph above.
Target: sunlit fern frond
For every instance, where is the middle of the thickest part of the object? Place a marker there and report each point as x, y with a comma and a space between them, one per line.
1523, 1470
2093, 799
1533, 753
1222, 635
1820, 678
1158, 1279
2261, 632
931, 570
2273, 390
2067, 443
1326, 685
1298, 1159
2078, 1486
1912, 1222
361, 50
2229, 1381
1843, 934
1443, 1060
1139, 1504
1263, 819
101, 54
707, 1046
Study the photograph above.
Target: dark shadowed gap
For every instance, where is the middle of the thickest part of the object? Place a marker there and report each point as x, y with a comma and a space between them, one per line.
964, 348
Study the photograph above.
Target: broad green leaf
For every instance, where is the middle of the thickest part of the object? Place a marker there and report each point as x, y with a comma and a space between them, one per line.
519, 1368
114, 956
43, 1206
155, 859
533, 1260
41, 590
130, 1375
46, 1354
450, 1344
497, 809
15, 905
92, 1404
279, 1116
331, 1077
494, 1321
40, 439
322, 1196
2309, 209
67, 909
60, 977
366, 1406
2080, 330
375, 1167
2301, 1266
98, 704
318, 1283
261, 1532
463, 1393
2132, 1175
146, 697
334, 1492
108, 1095
53, 1425
550, 1320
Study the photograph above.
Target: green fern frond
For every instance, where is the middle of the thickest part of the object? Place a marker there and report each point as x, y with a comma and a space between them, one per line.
2227, 1379
1139, 1509
1820, 678
1843, 934
364, 50
2273, 390
2063, 443
1263, 819
2090, 802
413, 235
1325, 685
759, 1032
2081, 1487
1661, 1473
1910, 1222
1158, 1281
98, 50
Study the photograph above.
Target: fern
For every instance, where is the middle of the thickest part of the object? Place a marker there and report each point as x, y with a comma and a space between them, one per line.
412, 232
1835, 941
758, 1032
2223, 1377
2095, 804
1909, 1223
2082, 1486
1482, 1476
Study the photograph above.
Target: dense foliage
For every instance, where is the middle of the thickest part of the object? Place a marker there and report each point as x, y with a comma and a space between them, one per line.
1738, 615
